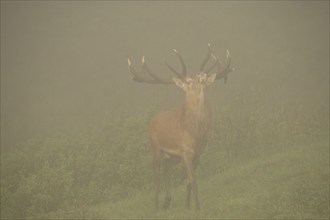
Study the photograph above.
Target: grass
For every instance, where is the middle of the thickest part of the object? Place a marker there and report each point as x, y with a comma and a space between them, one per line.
290, 184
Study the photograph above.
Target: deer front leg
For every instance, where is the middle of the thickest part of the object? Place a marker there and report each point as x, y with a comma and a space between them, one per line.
156, 166
191, 183
166, 167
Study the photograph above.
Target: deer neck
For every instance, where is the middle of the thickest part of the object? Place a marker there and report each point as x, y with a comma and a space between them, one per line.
196, 115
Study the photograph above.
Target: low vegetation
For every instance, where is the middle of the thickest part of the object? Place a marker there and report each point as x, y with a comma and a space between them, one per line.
261, 162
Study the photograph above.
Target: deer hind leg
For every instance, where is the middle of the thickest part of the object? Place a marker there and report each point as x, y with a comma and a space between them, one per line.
195, 163
156, 166
191, 183
166, 167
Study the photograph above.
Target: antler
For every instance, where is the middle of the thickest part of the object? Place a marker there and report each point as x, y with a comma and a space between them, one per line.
184, 69
221, 72
147, 76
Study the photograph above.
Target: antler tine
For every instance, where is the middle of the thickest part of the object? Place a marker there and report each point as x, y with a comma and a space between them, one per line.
217, 63
184, 68
147, 76
207, 57
183, 73
136, 76
146, 71
173, 70
222, 73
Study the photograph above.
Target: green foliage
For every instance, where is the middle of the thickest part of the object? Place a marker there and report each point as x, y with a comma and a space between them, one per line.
63, 176
52, 175
289, 184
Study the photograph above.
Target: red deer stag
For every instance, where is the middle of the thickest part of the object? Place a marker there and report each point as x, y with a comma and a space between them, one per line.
181, 135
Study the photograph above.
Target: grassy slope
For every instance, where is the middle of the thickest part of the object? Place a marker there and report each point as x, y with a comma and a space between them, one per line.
293, 183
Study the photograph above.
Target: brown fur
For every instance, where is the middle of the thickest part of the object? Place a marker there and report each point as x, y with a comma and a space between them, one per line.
181, 134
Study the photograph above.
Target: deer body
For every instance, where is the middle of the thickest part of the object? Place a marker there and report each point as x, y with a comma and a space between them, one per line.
181, 135
170, 131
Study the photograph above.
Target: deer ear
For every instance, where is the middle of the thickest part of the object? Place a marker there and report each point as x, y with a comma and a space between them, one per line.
179, 83
211, 78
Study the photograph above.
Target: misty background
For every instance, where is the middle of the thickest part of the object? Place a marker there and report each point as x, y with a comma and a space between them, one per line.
64, 64
74, 124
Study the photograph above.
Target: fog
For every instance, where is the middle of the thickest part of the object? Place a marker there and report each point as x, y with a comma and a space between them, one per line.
74, 124
64, 64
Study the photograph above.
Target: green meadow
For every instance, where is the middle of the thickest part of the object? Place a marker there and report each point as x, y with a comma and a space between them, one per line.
257, 164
